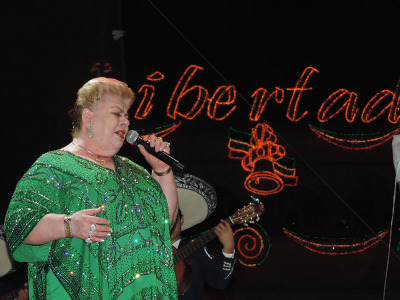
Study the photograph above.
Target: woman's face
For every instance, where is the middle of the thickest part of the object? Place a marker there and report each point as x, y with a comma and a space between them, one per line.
110, 124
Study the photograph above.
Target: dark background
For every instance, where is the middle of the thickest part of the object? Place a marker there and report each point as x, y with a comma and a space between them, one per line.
49, 50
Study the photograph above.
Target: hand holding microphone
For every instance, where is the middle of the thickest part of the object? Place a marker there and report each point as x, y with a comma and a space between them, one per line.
132, 137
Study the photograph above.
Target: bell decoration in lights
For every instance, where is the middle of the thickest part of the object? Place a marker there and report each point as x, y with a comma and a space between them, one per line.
262, 157
260, 161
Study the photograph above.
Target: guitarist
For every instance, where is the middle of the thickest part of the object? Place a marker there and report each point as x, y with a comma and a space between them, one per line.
216, 272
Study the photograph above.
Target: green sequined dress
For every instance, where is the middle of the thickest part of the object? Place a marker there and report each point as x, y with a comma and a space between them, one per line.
134, 263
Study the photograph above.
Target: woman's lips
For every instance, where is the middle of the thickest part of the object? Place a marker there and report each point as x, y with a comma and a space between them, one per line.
120, 133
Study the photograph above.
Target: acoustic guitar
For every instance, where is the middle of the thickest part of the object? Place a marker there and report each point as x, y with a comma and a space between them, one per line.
182, 271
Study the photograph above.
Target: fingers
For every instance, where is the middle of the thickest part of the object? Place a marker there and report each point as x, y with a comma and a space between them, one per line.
224, 231
97, 233
86, 226
100, 233
225, 235
165, 146
97, 220
223, 226
158, 143
94, 211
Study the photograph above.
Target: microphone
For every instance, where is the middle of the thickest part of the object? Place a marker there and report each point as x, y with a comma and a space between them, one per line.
132, 137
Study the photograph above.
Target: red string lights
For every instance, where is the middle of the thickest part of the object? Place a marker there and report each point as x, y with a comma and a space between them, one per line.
197, 97
184, 91
329, 246
260, 156
188, 100
349, 106
252, 244
148, 91
162, 131
353, 141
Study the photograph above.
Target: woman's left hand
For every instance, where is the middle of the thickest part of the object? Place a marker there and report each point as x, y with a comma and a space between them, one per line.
159, 146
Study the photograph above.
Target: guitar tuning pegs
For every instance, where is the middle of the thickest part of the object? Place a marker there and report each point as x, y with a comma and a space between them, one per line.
258, 218
251, 222
245, 224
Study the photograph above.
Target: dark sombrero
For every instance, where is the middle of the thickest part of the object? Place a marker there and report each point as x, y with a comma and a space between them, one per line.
197, 199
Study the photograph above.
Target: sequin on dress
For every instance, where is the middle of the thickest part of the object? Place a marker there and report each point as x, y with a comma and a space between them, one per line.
134, 263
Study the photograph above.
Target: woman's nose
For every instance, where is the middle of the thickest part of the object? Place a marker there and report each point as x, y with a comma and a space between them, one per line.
125, 121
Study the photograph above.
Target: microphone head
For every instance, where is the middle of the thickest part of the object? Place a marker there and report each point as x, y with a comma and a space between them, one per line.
131, 136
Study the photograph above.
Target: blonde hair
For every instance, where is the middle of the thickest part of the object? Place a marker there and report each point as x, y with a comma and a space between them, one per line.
92, 92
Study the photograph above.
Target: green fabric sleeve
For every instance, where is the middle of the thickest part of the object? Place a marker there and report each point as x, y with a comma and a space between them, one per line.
30, 253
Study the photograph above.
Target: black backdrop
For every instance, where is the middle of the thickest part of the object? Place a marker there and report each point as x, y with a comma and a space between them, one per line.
50, 49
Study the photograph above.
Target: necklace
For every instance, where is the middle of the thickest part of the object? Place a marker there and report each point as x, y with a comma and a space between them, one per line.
99, 160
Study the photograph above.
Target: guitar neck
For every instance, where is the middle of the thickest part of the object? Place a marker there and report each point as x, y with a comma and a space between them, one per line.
196, 244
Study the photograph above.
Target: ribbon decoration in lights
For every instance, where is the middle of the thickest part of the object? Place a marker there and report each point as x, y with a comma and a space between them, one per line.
252, 244
160, 131
354, 141
260, 154
330, 246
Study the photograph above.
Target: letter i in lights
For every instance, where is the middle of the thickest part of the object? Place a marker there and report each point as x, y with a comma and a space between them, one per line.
148, 92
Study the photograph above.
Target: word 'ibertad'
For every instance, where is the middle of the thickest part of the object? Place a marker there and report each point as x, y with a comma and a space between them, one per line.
189, 100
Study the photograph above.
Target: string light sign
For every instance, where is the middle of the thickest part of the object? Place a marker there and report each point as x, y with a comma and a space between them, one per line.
188, 100
252, 244
270, 169
330, 246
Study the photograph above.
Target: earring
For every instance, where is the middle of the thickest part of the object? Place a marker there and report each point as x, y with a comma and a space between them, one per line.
90, 133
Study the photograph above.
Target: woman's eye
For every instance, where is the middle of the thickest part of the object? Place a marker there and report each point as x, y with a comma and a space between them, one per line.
119, 115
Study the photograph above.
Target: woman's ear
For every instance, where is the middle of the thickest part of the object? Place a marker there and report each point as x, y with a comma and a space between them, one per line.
87, 117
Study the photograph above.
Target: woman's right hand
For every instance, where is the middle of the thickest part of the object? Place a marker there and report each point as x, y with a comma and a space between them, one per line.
83, 219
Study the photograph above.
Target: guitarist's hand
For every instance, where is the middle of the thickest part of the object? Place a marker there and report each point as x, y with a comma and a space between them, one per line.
225, 235
23, 294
